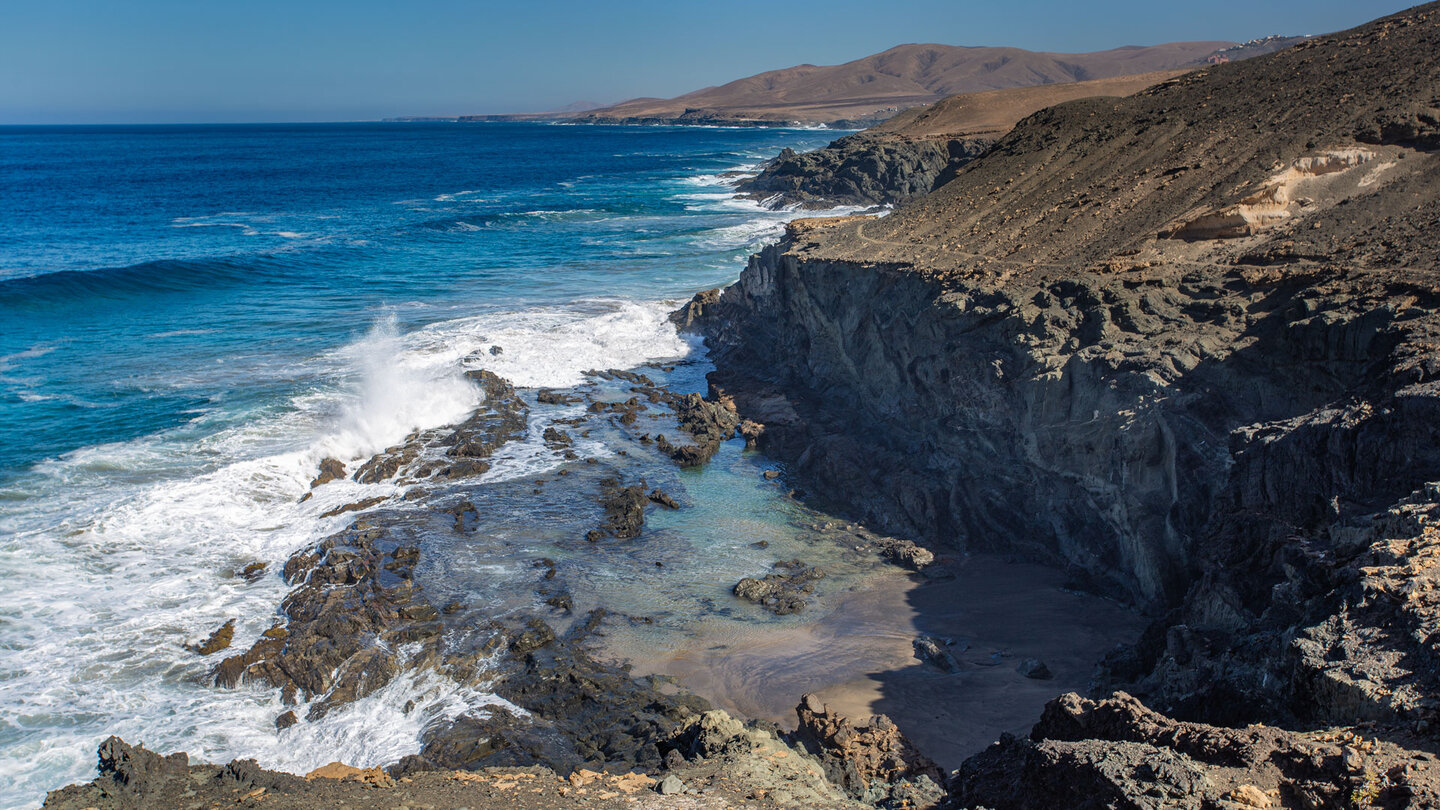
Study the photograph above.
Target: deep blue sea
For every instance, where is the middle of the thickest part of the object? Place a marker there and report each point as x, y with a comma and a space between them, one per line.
192, 316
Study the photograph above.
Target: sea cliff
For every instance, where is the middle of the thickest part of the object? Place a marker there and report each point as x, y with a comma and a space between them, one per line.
1184, 345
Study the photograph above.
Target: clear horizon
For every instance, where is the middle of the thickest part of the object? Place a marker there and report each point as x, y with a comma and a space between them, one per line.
164, 61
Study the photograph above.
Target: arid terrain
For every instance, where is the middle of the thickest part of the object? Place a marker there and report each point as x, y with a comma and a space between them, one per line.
872, 89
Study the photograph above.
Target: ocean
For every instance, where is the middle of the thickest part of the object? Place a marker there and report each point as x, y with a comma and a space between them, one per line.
194, 316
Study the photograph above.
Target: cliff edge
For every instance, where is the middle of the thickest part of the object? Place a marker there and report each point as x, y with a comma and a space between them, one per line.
1184, 345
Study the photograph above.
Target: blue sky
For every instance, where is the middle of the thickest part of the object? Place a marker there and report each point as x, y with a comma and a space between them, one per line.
112, 61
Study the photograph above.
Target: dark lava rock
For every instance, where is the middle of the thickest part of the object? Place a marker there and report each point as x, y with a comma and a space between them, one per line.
133, 767
685, 317
345, 601
905, 553
286, 720
133, 778
751, 431
936, 651
1117, 753
1035, 668
357, 506
545, 396
596, 711
624, 510
709, 422
556, 438
535, 635
862, 169
386, 464
686, 455
330, 470
628, 410
466, 516
659, 496
218, 640
784, 591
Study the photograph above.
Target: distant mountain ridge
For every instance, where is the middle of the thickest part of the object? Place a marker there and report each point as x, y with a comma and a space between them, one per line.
904, 76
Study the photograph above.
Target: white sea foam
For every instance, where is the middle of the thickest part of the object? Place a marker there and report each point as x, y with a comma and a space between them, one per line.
114, 556
399, 391
183, 333
552, 347
459, 196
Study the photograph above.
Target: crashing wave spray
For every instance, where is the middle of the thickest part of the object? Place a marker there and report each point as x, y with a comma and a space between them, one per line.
398, 391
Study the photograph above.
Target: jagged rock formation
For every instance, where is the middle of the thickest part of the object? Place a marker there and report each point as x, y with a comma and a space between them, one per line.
861, 169
873, 762
1184, 344
717, 762
1117, 753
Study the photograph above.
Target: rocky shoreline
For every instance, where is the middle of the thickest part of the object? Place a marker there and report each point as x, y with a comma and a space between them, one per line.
1183, 346
361, 615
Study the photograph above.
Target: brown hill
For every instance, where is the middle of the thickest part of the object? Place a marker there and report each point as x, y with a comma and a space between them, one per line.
994, 112
902, 77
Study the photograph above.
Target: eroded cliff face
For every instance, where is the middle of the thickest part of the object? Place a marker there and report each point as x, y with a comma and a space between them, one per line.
1101, 422
1205, 380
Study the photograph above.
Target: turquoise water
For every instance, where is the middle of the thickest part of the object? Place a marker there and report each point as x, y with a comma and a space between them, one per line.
194, 316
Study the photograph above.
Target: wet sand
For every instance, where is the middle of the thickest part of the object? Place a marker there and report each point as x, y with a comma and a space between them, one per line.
856, 652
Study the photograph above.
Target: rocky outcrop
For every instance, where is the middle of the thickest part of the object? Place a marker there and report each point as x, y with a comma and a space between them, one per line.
784, 590
709, 422
1116, 753
873, 762
862, 169
725, 764
1235, 429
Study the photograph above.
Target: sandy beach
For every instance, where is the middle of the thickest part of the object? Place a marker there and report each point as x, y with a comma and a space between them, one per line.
857, 653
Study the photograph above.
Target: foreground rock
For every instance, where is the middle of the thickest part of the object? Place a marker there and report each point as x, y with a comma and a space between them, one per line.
1117, 753
714, 762
873, 762
132, 778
